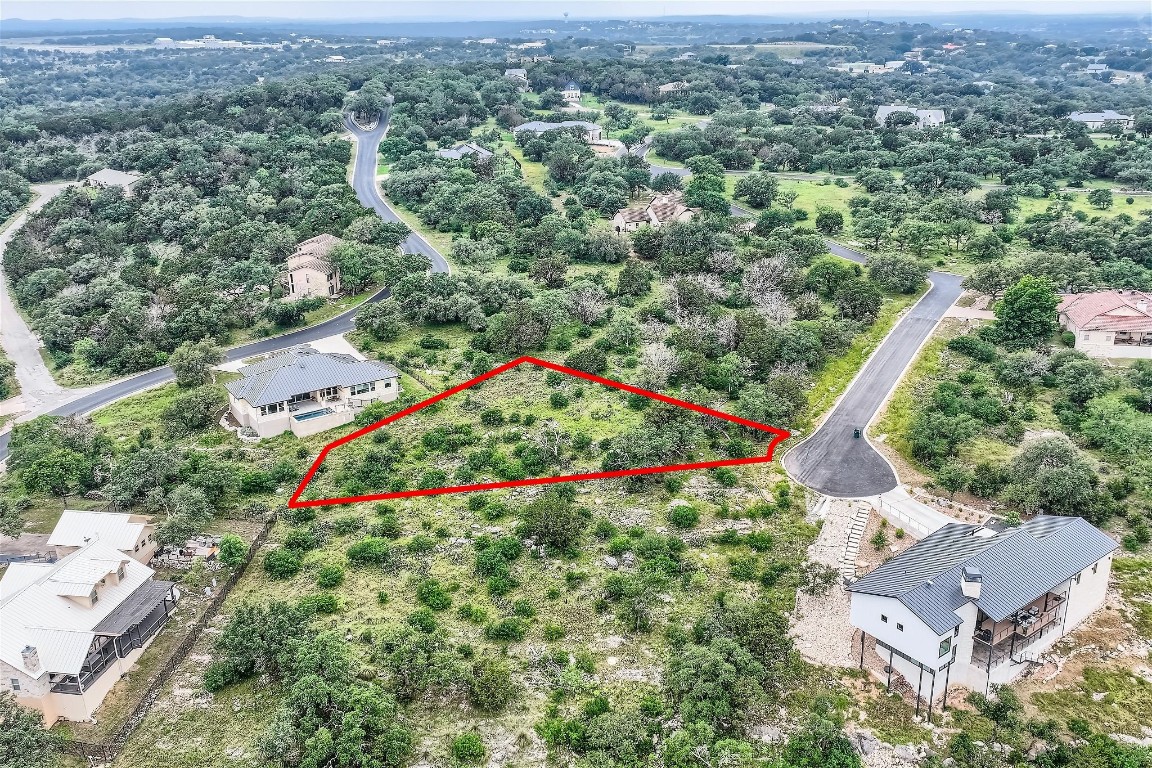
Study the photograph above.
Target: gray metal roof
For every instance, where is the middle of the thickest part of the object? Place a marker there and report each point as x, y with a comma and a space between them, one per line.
539, 126
463, 150
1018, 565
134, 609
303, 369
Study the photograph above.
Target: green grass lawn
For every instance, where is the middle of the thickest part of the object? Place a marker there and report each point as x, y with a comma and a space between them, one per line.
1140, 205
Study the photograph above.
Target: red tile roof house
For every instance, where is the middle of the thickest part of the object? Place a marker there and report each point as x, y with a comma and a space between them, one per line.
1110, 323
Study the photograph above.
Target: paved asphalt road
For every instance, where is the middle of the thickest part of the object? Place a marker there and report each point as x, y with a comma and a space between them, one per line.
831, 461
364, 182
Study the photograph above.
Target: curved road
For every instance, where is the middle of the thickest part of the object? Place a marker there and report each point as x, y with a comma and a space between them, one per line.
831, 461
364, 182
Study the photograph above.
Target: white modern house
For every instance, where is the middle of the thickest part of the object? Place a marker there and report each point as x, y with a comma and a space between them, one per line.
109, 177
134, 535
589, 131
925, 118
1095, 121
70, 629
1114, 324
304, 391
973, 607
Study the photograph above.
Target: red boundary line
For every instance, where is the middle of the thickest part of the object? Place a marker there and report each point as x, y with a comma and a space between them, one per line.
780, 435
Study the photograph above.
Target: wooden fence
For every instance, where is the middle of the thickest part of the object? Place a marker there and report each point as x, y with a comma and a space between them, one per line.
107, 752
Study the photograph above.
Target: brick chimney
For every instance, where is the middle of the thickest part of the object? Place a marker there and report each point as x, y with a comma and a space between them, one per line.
31, 658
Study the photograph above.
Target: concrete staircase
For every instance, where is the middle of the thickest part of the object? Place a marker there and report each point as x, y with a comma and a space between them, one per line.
852, 546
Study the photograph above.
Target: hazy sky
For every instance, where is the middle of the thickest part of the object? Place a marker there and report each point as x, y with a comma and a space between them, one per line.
537, 9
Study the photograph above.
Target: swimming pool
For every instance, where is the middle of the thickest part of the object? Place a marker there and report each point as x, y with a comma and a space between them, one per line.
313, 414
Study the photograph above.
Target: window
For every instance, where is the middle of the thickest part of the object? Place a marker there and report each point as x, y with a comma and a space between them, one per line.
359, 389
387, 385
945, 646
15, 684
300, 397
1077, 579
883, 618
1095, 566
899, 627
271, 408
330, 392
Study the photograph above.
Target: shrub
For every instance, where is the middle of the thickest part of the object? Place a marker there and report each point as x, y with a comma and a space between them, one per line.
473, 613
282, 563
491, 417
684, 516
468, 748
726, 476
974, 347
506, 630
759, 541
421, 544
523, 609
300, 540
554, 632
558, 400
322, 603
370, 550
744, 567
432, 594
422, 619
329, 576
233, 550
346, 524
490, 687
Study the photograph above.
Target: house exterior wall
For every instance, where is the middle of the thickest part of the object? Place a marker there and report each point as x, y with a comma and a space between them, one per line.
345, 407
37, 694
917, 639
1103, 344
305, 282
1085, 597
146, 547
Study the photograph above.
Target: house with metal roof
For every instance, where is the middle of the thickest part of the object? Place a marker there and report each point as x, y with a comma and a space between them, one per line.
1096, 121
465, 149
310, 272
134, 535
109, 177
72, 628
589, 131
303, 391
1115, 324
975, 607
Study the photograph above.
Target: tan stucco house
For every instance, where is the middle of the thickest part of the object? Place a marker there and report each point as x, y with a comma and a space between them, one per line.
72, 628
660, 210
309, 271
1110, 323
304, 391
134, 535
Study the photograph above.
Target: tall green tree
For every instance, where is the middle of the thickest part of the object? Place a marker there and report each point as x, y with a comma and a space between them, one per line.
1026, 315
